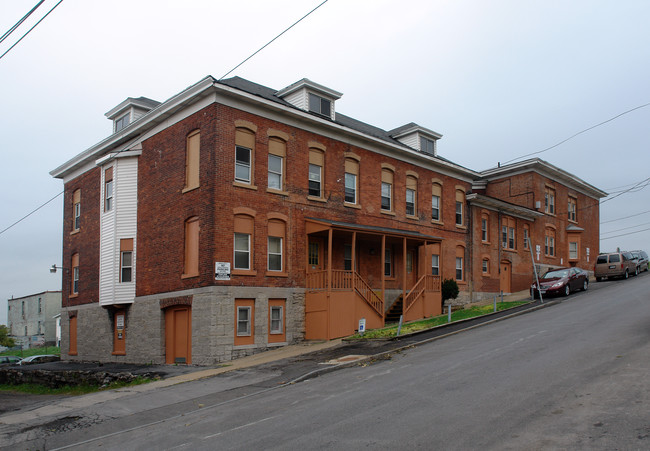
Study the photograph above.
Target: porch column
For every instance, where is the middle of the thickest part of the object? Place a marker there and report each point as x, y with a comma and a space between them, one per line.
382, 258
354, 257
329, 261
404, 266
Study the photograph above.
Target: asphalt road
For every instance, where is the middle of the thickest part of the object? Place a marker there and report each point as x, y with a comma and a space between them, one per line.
572, 376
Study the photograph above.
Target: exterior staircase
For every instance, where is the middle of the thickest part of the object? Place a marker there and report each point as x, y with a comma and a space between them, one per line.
395, 310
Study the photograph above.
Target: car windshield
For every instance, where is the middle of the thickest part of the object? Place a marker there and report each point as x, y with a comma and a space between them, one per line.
556, 274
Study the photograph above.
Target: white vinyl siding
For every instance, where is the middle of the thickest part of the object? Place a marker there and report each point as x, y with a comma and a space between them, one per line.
119, 223
412, 140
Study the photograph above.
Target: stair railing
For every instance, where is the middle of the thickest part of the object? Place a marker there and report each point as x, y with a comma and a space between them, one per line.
426, 283
364, 290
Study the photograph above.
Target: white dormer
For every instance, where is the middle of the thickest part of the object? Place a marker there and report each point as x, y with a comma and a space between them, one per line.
130, 111
312, 97
417, 137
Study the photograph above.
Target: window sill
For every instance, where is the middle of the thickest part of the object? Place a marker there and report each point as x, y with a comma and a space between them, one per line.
275, 345
74, 232
415, 218
75, 295
243, 272
462, 227
550, 214
485, 274
276, 274
244, 185
118, 353
391, 278
437, 222
188, 189
486, 242
349, 205
189, 276
316, 199
386, 212
505, 249
461, 282
277, 191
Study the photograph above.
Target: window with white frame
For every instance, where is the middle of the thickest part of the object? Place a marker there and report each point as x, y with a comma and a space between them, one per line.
277, 316
572, 209
350, 188
76, 202
315, 180
573, 250
126, 266
386, 196
122, 122
427, 145
484, 229
459, 213
435, 208
275, 172
243, 321
549, 201
459, 268
410, 202
388, 262
320, 105
485, 267
275, 253
242, 164
242, 250
435, 265
526, 236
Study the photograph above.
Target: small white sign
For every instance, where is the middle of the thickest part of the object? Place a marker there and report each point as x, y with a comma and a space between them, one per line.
221, 270
119, 322
538, 249
362, 325
537, 256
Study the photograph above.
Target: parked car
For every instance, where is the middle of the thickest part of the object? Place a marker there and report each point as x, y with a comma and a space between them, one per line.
9, 360
615, 264
39, 359
642, 260
561, 281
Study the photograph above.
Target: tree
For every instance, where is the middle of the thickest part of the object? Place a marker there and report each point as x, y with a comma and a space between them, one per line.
4, 337
449, 290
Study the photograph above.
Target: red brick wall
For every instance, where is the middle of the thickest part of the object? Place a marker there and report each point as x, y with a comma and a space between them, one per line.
85, 242
162, 208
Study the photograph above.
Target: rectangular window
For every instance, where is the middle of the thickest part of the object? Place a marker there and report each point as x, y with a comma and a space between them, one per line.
277, 317
122, 122
459, 213
435, 208
388, 260
75, 275
275, 253
427, 145
459, 268
314, 253
40, 305
350, 188
126, 266
435, 265
573, 250
549, 243
275, 172
573, 209
242, 251
319, 105
549, 201
410, 202
347, 257
386, 196
242, 164
108, 198
192, 160
484, 229
508, 234
314, 180
511, 238
526, 237
76, 202
191, 251
486, 266
243, 321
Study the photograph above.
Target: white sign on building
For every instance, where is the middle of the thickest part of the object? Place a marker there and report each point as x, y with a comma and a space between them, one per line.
221, 270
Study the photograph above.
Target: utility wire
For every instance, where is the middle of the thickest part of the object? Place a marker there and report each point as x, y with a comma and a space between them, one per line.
625, 217
28, 31
579, 133
11, 30
30, 213
268, 43
624, 234
625, 228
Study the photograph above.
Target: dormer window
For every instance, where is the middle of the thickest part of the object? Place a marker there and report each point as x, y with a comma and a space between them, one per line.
122, 122
320, 105
427, 145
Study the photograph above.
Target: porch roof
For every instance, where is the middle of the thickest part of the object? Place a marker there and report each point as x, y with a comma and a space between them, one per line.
371, 229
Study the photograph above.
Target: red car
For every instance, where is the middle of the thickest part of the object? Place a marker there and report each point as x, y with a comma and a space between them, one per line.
561, 281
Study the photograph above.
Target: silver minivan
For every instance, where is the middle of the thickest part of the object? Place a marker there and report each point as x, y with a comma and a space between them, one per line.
615, 264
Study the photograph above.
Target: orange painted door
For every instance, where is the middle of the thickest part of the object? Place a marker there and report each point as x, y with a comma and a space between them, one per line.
315, 255
411, 268
506, 277
119, 333
178, 330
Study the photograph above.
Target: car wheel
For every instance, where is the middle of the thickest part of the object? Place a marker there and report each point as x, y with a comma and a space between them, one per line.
585, 285
626, 275
599, 279
567, 290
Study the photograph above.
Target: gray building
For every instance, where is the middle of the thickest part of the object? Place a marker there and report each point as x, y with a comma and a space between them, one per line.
31, 319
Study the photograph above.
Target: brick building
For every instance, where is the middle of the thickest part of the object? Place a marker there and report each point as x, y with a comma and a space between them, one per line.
233, 217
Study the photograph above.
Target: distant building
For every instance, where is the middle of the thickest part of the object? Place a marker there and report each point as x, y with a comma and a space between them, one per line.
31, 319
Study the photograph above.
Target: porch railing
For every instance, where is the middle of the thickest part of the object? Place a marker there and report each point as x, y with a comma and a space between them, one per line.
425, 284
345, 281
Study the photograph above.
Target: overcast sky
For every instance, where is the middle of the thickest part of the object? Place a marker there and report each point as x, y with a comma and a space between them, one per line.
497, 79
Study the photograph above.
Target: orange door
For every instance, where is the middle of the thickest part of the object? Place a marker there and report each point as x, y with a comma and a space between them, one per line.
178, 329
119, 333
506, 277
411, 268
315, 255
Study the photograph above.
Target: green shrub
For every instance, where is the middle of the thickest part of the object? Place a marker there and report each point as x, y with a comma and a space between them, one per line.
449, 289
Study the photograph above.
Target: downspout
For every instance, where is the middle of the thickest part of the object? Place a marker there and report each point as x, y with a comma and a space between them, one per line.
470, 263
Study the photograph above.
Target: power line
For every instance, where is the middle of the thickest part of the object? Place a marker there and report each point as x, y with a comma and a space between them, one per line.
30, 213
579, 133
624, 234
625, 217
28, 31
265, 45
626, 228
12, 29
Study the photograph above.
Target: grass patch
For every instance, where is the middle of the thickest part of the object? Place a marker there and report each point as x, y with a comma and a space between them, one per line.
391, 331
74, 390
33, 351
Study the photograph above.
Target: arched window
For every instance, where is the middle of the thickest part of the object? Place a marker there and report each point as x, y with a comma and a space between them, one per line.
276, 246
243, 242
192, 159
